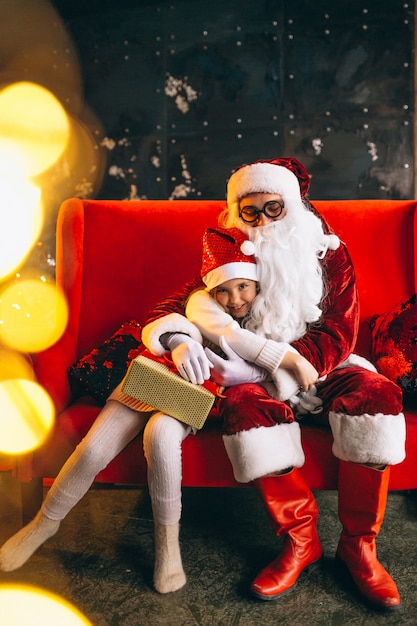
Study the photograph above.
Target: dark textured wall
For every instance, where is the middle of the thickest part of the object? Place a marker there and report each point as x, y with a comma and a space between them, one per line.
186, 90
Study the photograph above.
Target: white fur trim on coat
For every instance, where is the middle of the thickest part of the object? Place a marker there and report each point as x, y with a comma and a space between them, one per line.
260, 451
368, 438
171, 323
354, 360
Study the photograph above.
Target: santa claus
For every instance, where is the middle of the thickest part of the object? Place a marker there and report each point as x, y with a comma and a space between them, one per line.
302, 331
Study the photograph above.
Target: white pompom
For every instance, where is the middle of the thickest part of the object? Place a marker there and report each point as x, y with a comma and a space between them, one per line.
333, 242
247, 248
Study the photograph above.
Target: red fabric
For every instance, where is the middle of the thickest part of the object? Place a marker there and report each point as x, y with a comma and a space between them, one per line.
222, 246
394, 344
356, 391
330, 342
116, 260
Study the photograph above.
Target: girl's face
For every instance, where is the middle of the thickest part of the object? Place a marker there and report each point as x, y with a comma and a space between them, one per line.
236, 296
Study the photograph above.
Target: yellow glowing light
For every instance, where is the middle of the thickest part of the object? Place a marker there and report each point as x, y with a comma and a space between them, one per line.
14, 365
21, 220
34, 121
26, 415
33, 315
24, 605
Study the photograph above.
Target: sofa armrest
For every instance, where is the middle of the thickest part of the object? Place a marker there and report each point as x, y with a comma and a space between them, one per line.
51, 370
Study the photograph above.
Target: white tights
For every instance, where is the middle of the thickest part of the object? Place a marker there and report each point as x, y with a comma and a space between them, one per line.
162, 441
113, 429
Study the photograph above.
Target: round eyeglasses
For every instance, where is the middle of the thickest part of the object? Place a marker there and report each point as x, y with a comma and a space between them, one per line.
271, 209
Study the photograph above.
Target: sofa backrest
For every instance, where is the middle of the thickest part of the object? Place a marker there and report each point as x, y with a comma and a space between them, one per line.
116, 259
380, 236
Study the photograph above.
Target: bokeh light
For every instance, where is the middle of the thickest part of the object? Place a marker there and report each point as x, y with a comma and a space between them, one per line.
24, 605
26, 415
35, 122
21, 220
15, 365
33, 315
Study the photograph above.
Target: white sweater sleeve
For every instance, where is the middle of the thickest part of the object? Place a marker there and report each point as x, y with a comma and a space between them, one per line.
171, 323
209, 317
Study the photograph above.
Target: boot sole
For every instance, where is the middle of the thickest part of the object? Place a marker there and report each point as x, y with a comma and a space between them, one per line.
307, 570
344, 570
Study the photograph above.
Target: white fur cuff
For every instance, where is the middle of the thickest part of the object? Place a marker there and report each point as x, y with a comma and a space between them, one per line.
260, 451
285, 385
368, 438
172, 323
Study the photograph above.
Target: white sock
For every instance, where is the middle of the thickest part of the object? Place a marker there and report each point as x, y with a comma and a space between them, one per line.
168, 572
17, 550
162, 439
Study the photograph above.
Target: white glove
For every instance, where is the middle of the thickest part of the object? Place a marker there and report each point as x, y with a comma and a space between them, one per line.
234, 370
189, 358
307, 402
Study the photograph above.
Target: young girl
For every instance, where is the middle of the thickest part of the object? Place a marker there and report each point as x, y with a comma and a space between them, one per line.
229, 273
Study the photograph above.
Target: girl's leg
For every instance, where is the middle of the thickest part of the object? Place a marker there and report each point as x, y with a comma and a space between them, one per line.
162, 440
113, 429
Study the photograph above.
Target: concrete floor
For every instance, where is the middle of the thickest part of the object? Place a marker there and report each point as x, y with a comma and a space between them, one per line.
101, 561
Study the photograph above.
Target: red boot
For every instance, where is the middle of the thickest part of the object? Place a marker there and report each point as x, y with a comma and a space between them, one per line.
362, 498
293, 512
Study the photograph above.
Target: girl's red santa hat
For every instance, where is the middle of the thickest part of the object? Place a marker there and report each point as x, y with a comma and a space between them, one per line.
227, 254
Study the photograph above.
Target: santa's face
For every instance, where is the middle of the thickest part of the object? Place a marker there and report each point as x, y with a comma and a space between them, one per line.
267, 205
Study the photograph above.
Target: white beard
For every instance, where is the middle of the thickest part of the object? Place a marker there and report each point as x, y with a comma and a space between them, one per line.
290, 276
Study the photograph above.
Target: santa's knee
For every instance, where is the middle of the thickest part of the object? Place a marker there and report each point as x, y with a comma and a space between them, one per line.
363, 391
260, 434
367, 421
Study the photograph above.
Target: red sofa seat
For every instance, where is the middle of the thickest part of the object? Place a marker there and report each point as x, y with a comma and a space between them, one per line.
116, 259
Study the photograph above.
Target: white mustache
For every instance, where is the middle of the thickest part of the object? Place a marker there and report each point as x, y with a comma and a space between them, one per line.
274, 233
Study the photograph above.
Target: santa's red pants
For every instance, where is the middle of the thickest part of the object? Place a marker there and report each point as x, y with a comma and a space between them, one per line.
362, 407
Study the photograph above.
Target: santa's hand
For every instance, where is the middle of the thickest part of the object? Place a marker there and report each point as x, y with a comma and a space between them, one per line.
234, 370
189, 359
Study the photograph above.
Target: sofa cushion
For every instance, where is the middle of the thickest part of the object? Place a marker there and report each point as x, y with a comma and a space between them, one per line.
97, 373
394, 344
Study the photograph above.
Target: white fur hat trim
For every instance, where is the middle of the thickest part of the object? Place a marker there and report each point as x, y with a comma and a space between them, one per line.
229, 271
262, 178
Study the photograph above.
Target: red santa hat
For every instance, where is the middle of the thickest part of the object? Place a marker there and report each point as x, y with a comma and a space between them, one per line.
227, 254
285, 176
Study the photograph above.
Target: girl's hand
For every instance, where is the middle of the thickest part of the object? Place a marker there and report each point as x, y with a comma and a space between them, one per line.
305, 373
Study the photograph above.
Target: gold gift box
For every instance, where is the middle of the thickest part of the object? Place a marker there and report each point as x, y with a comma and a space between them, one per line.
155, 384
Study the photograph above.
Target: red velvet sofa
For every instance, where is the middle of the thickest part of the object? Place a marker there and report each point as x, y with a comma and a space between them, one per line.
116, 259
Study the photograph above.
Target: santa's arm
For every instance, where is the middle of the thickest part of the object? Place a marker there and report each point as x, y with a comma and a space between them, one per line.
332, 339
